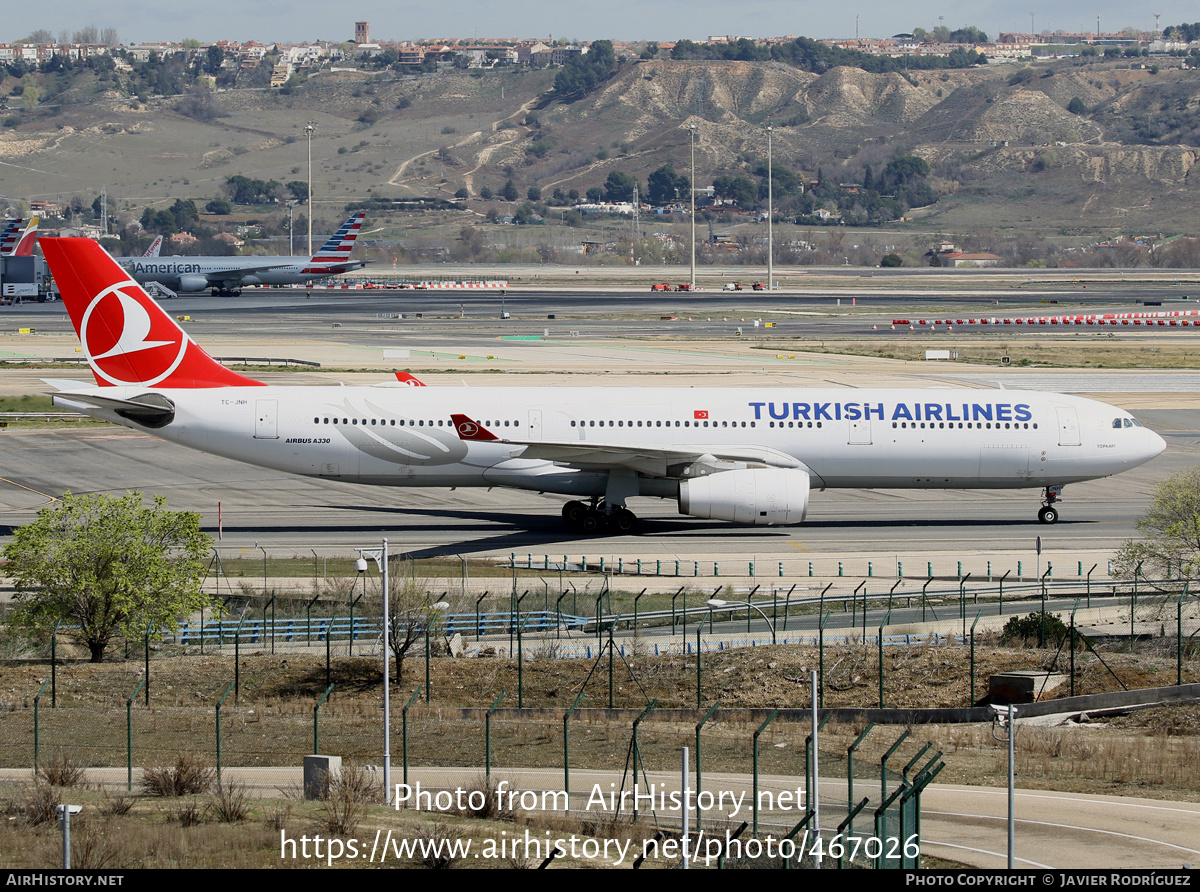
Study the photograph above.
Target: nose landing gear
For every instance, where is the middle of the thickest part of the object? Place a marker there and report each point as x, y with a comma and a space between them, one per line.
1049, 513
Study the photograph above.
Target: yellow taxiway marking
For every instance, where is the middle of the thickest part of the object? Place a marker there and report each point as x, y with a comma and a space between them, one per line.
31, 489
797, 546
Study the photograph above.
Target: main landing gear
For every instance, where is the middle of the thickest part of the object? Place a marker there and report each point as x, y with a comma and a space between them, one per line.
598, 517
1048, 513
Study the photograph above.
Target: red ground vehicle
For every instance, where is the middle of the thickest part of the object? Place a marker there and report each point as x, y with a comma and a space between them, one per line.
661, 286
759, 286
683, 286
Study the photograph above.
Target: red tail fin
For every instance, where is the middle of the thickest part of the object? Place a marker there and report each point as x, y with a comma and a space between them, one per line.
28, 239
127, 337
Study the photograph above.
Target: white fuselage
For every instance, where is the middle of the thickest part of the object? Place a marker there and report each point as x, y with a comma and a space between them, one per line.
403, 436
191, 274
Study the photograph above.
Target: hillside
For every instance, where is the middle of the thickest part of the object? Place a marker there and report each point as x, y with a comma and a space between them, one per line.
1006, 153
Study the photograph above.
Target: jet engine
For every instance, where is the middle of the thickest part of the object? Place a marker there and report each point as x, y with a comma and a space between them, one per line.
191, 284
759, 496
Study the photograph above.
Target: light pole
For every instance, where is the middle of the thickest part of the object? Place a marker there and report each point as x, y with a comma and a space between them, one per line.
692, 191
770, 215
380, 556
308, 131
1004, 720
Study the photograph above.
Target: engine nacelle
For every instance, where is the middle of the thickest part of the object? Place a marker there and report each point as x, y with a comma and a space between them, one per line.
760, 496
192, 284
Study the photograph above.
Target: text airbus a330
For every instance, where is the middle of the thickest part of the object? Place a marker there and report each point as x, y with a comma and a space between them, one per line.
746, 455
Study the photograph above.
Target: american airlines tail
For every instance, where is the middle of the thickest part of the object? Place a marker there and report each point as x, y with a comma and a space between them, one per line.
24, 246
127, 338
9, 237
336, 251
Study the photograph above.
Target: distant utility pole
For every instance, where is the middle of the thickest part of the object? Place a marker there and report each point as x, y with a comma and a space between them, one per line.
692, 190
308, 131
637, 232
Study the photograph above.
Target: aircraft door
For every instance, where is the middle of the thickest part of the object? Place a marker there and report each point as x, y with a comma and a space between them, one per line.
860, 432
1068, 426
266, 419
535, 424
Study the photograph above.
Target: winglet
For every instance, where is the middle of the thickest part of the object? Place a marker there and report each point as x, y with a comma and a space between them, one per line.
471, 430
410, 380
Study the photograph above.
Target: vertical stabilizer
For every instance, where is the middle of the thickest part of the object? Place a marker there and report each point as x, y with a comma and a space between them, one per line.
127, 337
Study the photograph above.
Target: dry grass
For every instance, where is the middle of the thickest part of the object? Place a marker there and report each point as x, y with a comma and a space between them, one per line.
34, 804
229, 803
1069, 349
187, 777
115, 806
61, 772
348, 795
186, 813
437, 857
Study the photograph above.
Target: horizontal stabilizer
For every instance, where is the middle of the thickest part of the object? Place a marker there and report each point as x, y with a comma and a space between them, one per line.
150, 410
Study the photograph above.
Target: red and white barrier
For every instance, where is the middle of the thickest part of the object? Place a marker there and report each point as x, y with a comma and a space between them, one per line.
1159, 318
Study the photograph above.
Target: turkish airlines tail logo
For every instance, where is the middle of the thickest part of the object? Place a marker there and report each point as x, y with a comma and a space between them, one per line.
127, 337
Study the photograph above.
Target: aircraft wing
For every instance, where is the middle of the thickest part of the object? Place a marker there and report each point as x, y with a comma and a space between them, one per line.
236, 275
679, 460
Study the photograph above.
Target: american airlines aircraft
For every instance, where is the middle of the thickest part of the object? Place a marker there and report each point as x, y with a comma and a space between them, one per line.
10, 236
226, 276
746, 455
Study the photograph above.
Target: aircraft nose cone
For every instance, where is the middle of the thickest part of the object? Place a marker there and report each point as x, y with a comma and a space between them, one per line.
1154, 443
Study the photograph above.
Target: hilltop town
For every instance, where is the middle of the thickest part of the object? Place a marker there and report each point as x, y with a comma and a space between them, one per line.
1014, 148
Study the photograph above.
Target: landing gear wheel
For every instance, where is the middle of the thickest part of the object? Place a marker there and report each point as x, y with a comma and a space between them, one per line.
624, 521
573, 513
590, 523
1048, 514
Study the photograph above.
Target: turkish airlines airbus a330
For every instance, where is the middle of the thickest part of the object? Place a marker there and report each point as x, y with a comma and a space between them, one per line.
747, 455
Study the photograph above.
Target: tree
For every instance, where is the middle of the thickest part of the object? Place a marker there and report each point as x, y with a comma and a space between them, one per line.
411, 615
109, 565
664, 185
619, 186
891, 260
29, 96
509, 191
1076, 106
1170, 531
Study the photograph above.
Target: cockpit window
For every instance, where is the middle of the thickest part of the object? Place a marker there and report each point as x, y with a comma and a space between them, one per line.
1117, 423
